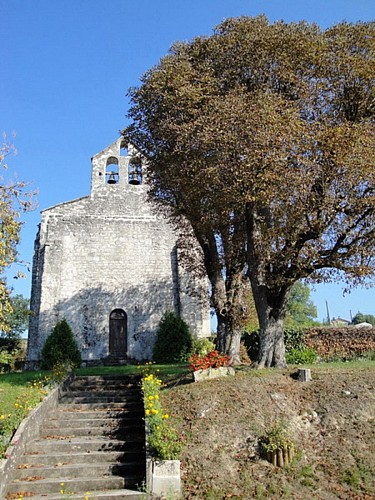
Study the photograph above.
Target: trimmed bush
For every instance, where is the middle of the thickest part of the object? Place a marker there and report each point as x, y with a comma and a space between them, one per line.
174, 342
302, 356
60, 347
294, 339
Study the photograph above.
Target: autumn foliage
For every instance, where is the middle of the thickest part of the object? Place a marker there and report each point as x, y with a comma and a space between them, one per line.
259, 140
213, 359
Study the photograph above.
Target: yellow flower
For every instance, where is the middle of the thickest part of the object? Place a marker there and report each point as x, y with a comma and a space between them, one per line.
147, 412
152, 397
155, 412
2, 417
156, 396
165, 415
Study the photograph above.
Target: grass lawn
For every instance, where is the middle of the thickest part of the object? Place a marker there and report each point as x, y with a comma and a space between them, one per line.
19, 393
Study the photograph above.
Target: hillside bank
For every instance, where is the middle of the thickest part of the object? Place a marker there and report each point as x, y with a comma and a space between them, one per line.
331, 420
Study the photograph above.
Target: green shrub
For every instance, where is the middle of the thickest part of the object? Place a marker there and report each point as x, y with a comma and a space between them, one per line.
294, 339
202, 347
301, 356
174, 342
60, 347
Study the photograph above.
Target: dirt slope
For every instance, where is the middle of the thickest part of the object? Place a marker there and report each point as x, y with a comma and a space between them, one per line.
331, 420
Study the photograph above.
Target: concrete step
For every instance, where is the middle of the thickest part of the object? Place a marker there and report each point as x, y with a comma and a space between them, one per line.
115, 380
66, 412
90, 457
83, 470
99, 494
85, 444
105, 495
108, 423
82, 393
94, 442
71, 431
97, 398
74, 485
100, 406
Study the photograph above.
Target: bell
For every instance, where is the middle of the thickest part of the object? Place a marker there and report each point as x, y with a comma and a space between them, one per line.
112, 178
134, 178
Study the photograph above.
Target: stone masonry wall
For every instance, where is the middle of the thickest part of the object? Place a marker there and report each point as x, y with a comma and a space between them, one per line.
109, 251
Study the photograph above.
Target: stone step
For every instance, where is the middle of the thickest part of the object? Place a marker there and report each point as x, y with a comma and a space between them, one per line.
101, 406
105, 495
70, 412
82, 470
94, 442
74, 485
72, 431
124, 383
108, 423
90, 457
85, 444
107, 380
96, 398
82, 392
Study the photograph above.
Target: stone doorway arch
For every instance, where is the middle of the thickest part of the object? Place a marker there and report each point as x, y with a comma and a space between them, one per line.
118, 333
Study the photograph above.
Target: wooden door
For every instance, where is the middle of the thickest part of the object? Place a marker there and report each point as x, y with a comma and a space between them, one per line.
118, 333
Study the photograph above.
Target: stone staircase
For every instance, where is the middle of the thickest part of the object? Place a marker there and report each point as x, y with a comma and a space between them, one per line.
93, 446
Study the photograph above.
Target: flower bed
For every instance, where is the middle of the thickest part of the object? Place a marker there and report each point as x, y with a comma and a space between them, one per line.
213, 365
213, 359
163, 441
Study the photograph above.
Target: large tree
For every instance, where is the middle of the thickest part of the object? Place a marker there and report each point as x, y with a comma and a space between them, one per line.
18, 319
260, 139
14, 199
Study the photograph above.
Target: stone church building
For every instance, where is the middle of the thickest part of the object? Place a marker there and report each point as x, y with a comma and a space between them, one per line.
109, 266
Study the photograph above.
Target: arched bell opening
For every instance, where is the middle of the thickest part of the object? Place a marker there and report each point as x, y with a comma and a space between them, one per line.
118, 333
135, 172
112, 170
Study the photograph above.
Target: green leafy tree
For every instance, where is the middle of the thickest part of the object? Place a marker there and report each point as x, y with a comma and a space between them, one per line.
60, 347
259, 141
363, 318
173, 342
301, 311
14, 199
18, 318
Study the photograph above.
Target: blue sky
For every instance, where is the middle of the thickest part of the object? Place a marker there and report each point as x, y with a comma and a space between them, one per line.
66, 67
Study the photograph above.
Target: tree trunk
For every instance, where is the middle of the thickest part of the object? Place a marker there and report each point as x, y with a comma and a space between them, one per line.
272, 347
221, 333
233, 346
228, 339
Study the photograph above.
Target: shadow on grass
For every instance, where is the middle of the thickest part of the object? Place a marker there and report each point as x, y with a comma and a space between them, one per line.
21, 378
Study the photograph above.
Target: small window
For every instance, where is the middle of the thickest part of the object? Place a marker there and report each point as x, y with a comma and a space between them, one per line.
124, 149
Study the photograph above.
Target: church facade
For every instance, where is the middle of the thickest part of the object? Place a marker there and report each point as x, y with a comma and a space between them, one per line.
109, 266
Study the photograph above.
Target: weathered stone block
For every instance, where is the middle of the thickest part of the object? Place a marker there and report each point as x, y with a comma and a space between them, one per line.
211, 373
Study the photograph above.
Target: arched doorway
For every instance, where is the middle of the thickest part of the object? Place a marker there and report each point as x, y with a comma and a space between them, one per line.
118, 333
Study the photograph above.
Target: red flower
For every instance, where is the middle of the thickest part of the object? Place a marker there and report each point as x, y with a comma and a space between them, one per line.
213, 359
